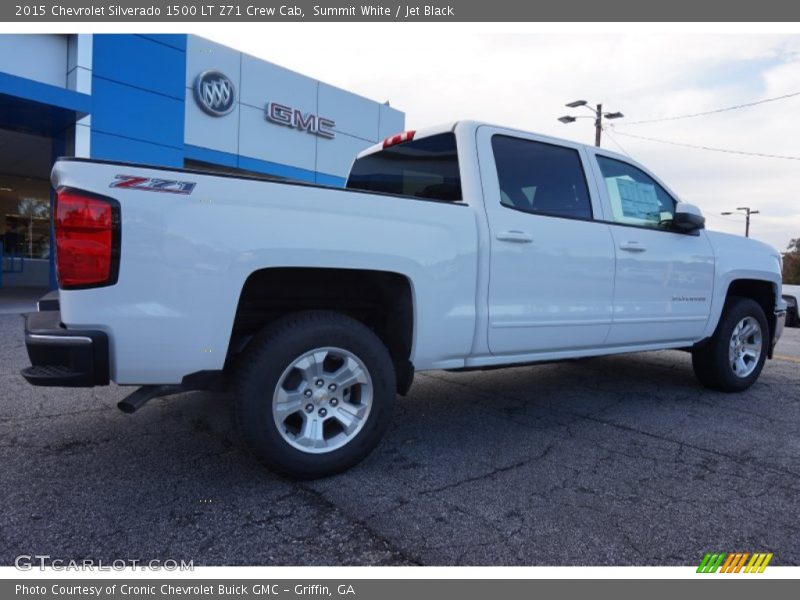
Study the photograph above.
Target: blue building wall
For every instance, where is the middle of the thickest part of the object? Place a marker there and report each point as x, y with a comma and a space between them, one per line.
138, 98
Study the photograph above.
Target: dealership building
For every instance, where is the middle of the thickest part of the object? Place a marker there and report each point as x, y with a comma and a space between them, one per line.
171, 100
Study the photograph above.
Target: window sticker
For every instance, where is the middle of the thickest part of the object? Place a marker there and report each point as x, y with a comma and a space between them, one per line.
638, 200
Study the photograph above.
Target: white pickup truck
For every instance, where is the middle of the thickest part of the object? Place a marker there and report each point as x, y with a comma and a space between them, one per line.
465, 246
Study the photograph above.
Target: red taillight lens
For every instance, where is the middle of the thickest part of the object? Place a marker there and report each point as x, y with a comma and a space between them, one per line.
87, 239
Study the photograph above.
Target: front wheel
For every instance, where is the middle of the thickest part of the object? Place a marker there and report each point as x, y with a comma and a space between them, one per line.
314, 394
732, 359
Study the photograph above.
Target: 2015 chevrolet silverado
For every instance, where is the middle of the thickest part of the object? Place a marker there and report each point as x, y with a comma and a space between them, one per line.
460, 247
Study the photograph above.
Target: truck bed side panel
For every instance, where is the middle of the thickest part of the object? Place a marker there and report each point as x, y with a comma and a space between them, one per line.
185, 258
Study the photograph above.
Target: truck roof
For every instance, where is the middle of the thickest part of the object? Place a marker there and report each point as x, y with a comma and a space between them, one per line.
471, 126
415, 133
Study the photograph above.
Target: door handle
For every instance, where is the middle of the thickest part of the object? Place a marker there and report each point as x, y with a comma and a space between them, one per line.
633, 246
516, 236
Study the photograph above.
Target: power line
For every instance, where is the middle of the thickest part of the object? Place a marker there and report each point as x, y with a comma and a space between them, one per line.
713, 112
616, 143
711, 148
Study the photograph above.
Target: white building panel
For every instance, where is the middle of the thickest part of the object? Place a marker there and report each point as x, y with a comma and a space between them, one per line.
216, 133
354, 115
42, 58
392, 121
247, 132
266, 141
264, 82
336, 156
203, 55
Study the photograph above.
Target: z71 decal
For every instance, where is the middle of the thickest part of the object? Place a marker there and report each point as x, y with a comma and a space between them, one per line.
152, 184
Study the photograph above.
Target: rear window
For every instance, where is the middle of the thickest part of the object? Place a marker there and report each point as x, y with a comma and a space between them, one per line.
424, 168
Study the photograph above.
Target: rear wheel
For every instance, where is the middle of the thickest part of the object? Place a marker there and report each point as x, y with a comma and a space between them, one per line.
314, 394
732, 359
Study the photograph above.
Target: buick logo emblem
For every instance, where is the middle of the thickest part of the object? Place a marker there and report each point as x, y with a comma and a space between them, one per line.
214, 93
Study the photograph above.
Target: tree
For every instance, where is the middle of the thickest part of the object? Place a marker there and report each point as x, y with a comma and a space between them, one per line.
791, 262
32, 208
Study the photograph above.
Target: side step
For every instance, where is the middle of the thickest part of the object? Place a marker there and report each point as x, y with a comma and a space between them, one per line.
52, 375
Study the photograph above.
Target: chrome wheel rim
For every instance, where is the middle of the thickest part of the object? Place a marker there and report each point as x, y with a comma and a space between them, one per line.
745, 347
322, 400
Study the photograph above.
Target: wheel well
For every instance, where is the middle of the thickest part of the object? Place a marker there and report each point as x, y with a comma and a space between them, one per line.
760, 291
381, 300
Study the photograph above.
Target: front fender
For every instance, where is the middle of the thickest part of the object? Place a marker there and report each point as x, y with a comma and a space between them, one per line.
739, 259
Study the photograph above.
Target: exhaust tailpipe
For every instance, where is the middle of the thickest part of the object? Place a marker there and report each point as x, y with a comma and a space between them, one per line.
134, 401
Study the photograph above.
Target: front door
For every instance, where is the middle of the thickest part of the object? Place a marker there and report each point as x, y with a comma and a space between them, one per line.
664, 278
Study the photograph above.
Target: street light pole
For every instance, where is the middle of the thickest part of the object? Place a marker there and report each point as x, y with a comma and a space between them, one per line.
747, 212
598, 117
598, 124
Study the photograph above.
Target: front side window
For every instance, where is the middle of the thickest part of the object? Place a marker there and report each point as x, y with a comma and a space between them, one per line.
541, 178
636, 198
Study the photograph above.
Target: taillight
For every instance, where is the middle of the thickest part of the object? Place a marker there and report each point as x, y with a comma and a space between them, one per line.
87, 232
399, 138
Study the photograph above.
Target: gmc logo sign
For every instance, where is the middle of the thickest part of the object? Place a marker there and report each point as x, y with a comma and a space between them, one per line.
296, 119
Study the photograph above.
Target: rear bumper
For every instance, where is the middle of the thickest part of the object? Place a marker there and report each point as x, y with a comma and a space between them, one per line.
64, 357
50, 301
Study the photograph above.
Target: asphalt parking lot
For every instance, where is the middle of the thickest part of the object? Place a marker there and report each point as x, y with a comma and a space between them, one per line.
610, 461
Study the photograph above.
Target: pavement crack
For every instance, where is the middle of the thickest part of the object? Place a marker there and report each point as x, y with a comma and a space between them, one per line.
731, 457
491, 474
401, 555
595, 419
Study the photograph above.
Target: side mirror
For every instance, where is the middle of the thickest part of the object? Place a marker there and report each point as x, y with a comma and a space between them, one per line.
688, 218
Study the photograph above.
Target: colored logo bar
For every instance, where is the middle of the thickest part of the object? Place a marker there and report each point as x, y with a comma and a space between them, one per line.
734, 562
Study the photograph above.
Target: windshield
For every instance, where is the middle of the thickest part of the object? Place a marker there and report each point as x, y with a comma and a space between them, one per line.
424, 168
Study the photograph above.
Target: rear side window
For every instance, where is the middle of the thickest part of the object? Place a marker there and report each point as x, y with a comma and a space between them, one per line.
541, 178
424, 168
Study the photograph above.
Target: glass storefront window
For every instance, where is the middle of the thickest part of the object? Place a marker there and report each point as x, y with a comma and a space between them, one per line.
25, 216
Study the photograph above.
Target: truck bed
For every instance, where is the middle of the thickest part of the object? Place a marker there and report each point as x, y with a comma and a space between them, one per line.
190, 240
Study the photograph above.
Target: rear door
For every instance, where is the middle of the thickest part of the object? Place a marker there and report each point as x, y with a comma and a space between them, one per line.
552, 265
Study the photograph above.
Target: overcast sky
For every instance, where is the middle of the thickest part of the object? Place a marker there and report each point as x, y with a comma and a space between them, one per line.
436, 74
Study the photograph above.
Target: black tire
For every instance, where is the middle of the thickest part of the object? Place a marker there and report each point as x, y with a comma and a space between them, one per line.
710, 359
260, 370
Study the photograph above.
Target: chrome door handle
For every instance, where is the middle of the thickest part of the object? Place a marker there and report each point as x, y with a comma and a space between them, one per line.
633, 246
519, 237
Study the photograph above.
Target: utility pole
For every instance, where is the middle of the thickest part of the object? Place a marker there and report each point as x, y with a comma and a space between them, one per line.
598, 117
747, 212
598, 125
